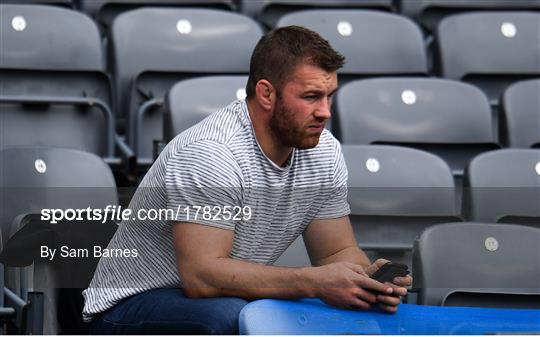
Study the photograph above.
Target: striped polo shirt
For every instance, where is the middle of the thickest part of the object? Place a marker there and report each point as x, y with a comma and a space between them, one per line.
218, 163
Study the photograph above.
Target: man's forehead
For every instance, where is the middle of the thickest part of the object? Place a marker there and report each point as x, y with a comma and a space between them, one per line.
314, 78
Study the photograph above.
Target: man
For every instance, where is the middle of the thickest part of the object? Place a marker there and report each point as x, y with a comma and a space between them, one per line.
267, 171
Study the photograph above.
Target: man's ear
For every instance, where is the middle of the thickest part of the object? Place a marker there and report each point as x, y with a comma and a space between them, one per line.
266, 94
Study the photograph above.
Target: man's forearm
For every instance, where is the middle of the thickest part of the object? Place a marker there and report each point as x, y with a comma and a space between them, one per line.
351, 254
229, 277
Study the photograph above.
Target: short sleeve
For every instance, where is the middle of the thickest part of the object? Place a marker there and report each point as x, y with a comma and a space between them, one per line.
336, 206
201, 179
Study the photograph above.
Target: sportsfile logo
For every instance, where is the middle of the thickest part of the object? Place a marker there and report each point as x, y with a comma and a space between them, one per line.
180, 213
110, 212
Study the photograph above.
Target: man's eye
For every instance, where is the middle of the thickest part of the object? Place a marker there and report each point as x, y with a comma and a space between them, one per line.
311, 97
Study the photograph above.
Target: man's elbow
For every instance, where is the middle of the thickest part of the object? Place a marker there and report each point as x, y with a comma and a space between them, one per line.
194, 286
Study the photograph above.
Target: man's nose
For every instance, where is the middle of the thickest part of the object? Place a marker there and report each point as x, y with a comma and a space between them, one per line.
323, 111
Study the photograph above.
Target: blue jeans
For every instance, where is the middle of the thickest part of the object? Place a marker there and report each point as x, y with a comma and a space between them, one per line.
169, 311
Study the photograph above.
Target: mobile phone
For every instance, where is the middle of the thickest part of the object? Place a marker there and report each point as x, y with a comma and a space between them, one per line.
389, 270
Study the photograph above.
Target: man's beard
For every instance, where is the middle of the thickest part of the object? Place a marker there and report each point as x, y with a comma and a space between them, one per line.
285, 129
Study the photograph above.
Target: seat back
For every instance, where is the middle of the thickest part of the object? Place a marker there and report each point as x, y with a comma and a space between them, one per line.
520, 115
104, 11
154, 48
37, 37
270, 11
395, 193
54, 90
430, 12
477, 264
506, 49
503, 186
192, 100
448, 118
396, 49
37, 179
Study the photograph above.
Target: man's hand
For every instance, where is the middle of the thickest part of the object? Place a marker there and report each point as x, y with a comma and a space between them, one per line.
388, 302
346, 285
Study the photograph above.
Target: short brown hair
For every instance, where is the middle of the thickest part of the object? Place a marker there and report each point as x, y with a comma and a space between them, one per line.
278, 52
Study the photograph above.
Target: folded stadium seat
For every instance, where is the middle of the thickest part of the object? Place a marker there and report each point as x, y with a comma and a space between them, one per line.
395, 193
503, 186
270, 11
396, 49
190, 101
478, 264
54, 91
386, 207
7, 313
519, 124
374, 43
104, 11
154, 48
430, 12
505, 50
449, 118
33, 179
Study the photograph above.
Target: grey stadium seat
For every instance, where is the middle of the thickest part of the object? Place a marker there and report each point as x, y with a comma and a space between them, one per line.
406, 191
504, 186
430, 12
519, 124
505, 50
104, 11
448, 118
154, 48
54, 91
396, 49
33, 179
270, 11
192, 100
478, 264
395, 193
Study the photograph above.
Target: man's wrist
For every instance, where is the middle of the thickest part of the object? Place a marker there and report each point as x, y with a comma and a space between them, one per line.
309, 279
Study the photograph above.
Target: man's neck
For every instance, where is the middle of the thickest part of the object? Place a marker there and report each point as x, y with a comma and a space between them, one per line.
270, 145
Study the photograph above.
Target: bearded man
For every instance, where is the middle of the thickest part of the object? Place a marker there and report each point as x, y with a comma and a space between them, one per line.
243, 184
